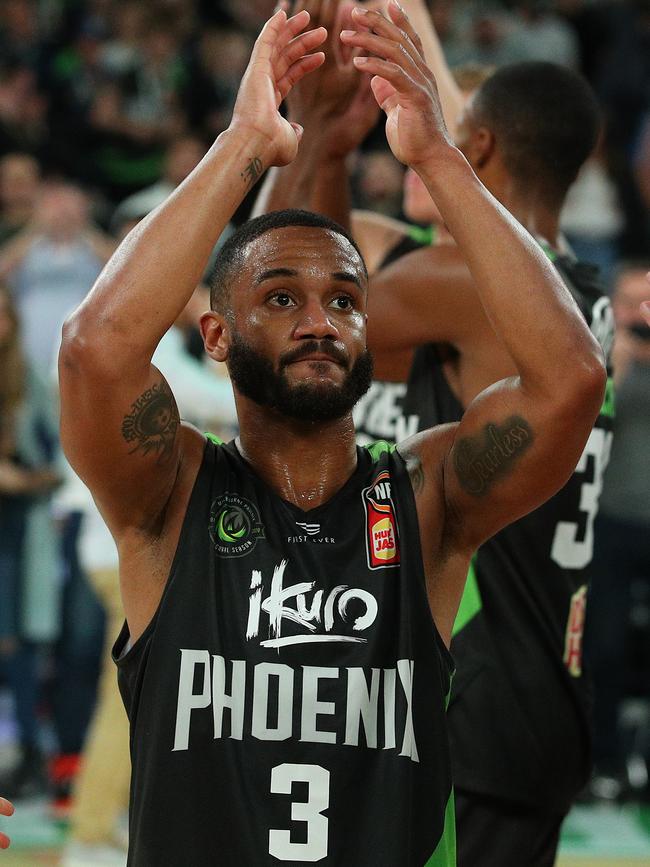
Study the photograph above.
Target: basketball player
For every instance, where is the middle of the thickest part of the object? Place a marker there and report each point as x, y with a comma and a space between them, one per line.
284, 662
518, 635
6, 809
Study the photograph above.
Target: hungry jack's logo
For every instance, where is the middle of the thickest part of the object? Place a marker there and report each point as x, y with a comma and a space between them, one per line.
382, 536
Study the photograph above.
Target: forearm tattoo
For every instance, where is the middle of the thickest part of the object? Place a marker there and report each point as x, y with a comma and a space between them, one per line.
253, 171
153, 421
482, 460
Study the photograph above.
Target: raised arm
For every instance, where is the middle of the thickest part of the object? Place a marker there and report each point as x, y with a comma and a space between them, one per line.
520, 439
120, 425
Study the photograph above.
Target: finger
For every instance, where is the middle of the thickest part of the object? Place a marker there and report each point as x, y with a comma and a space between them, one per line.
383, 47
378, 24
344, 52
399, 17
297, 48
381, 91
6, 807
276, 34
4, 841
395, 75
329, 12
298, 71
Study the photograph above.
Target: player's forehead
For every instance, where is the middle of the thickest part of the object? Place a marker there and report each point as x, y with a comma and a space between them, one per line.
305, 249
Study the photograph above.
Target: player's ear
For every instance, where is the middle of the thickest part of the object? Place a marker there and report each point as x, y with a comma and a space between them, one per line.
481, 147
215, 330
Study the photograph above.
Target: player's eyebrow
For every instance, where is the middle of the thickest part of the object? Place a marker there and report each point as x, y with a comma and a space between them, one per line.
339, 276
275, 272
347, 277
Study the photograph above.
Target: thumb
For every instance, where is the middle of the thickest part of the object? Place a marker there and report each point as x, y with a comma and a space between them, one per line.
298, 129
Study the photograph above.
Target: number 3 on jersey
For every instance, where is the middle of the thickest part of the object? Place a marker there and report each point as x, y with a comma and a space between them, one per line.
568, 550
310, 811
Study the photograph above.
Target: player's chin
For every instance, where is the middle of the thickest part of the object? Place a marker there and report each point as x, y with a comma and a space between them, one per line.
316, 373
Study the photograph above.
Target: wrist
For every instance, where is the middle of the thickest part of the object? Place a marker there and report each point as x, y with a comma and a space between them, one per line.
247, 142
435, 169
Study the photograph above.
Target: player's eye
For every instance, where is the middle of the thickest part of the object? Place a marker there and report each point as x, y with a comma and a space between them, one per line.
343, 302
281, 299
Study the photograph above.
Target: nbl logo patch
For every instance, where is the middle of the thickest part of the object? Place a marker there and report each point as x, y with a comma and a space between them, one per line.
382, 537
235, 526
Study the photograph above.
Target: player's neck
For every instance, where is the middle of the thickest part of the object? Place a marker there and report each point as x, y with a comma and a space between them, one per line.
305, 463
533, 212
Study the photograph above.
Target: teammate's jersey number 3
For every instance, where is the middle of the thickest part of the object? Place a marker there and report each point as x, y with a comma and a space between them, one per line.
310, 812
573, 549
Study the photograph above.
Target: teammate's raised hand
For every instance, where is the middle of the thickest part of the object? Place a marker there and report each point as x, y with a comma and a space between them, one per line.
6, 809
336, 100
281, 57
331, 89
403, 85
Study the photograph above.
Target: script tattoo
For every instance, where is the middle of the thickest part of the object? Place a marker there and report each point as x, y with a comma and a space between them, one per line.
480, 461
153, 421
253, 171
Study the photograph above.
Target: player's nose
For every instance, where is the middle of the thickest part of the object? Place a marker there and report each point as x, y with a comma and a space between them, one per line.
315, 322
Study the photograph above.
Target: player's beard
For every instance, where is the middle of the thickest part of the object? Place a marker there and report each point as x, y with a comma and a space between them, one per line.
255, 377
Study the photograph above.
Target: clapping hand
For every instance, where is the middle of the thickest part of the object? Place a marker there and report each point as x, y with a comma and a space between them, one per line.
403, 85
281, 58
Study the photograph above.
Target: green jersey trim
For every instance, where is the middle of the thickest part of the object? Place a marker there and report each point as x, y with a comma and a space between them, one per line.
381, 447
445, 854
215, 439
426, 236
609, 404
471, 602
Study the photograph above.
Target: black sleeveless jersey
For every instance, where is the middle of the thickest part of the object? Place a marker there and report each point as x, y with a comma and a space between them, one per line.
518, 636
287, 702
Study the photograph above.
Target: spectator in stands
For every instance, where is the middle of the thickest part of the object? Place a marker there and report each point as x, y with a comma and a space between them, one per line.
28, 561
50, 267
622, 547
182, 155
20, 179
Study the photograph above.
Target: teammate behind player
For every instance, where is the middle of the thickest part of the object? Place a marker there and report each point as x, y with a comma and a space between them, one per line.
284, 675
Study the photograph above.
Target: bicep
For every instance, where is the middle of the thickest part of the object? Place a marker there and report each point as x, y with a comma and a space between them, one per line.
121, 436
511, 452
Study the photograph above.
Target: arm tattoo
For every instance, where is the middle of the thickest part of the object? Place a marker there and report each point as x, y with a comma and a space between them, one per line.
482, 460
416, 474
253, 171
153, 421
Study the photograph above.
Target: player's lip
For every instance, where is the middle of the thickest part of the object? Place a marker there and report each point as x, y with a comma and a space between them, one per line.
318, 356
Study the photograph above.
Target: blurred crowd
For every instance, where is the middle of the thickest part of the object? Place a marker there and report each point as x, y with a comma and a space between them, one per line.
105, 106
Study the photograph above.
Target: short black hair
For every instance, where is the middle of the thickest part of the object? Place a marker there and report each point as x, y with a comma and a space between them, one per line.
230, 256
546, 121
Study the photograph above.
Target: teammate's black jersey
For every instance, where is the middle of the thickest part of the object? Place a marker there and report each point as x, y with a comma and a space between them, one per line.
287, 702
519, 714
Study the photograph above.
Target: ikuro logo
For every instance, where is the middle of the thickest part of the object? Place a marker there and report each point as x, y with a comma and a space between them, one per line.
382, 537
235, 526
